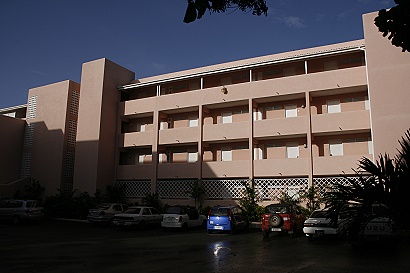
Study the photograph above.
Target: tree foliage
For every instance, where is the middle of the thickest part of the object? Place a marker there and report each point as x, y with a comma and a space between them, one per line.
385, 182
197, 8
395, 23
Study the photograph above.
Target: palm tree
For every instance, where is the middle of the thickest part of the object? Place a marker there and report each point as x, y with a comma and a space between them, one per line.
386, 182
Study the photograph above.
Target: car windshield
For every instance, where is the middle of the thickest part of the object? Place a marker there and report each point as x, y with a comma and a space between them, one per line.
219, 211
277, 209
318, 214
31, 204
133, 211
104, 206
175, 210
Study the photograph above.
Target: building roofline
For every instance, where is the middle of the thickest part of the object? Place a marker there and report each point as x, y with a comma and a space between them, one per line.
12, 108
252, 62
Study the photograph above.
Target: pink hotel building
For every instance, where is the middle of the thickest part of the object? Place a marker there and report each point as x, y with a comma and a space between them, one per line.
283, 122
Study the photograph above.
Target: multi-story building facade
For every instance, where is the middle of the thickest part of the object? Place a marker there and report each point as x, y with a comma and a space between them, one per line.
281, 122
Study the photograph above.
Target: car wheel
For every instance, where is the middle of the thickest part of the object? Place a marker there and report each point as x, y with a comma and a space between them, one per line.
16, 219
233, 229
275, 220
142, 225
265, 233
294, 233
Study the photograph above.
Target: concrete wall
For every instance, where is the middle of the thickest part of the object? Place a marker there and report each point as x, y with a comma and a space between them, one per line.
96, 147
11, 146
388, 79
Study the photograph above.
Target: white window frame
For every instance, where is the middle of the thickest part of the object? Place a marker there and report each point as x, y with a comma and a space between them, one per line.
292, 150
291, 111
335, 147
333, 106
226, 117
192, 156
226, 153
192, 121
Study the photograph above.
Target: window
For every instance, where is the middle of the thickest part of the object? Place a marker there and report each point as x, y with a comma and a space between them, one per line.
192, 156
333, 106
226, 154
257, 114
370, 146
140, 159
291, 111
366, 103
292, 150
257, 153
227, 117
192, 121
141, 127
335, 147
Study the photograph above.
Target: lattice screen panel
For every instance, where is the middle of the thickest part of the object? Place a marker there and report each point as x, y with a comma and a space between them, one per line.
174, 188
224, 189
75, 98
72, 132
270, 189
29, 135
135, 188
26, 165
32, 107
324, 184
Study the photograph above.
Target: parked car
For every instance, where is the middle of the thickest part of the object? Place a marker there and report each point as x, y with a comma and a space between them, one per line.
104, 213
138, 217
18, 211
182, 217
380, 227
229, 218
318, 224
282, 218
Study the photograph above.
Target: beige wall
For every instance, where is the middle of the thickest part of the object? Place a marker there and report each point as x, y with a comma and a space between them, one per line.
388, 75
96, 148
11, 146
50, 135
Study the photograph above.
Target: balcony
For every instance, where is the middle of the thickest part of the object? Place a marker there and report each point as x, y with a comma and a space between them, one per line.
178, 170
179, 135
225, 169
137, 107
281, 167
229, 131
335, 79
341, 122
134, 172
280, 127
336, 165
135, 139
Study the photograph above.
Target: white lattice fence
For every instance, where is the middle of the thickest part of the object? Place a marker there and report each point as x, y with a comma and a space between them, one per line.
174, 188
135, 188
227, 189
270, 189
324, 184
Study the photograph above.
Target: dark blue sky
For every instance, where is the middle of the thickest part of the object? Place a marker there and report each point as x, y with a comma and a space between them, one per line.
46, 41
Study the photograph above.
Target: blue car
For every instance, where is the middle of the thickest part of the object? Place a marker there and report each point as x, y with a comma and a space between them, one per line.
229, 218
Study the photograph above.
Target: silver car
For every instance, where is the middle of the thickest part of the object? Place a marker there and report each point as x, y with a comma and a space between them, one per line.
104, 213
138, 217
318, 224
18, 211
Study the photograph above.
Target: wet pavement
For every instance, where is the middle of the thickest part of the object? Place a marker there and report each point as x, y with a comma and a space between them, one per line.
59, 246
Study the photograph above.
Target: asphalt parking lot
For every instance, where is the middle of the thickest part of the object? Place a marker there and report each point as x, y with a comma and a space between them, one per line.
60, 246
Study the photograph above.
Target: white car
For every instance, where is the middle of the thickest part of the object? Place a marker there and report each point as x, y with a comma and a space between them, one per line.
138, 217
104, 213
182, 217
318, 224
